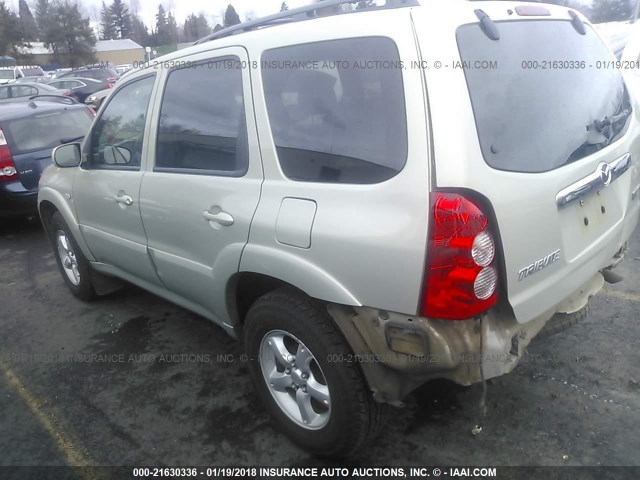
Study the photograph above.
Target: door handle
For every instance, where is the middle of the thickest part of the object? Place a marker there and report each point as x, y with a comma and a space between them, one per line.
123, 199
222, 218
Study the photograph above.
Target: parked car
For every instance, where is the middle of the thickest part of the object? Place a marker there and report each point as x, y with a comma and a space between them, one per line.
95, 100
80, 88
14, 91
122, 69
105, 74
32, 80
360, 237
28, 133
11, 74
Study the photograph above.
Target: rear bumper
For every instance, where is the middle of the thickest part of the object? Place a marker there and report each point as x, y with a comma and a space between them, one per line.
398, 352
15, 200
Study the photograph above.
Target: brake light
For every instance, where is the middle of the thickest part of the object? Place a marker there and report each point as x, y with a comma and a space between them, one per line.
461, 279
8, 172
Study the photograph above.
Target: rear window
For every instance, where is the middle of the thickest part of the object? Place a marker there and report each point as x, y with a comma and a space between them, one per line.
337, 110
33, 72
549, 85
48, 129
5, 74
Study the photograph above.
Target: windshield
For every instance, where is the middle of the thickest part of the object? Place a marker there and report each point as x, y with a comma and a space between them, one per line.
550, 84
47, 130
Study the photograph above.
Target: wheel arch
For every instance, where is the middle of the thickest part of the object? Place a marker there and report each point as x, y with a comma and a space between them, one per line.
51, 201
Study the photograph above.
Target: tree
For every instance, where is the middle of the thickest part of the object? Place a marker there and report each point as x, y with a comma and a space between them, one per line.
612, 10
284, 7
121, 19
217, 28
161, 33
172, 29
139, 31
195, 27
365, 4
42, 17
231, 17
9, 31
28, 26
68, 33
107, 24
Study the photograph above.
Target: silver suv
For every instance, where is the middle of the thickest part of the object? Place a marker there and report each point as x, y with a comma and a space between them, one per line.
368, 200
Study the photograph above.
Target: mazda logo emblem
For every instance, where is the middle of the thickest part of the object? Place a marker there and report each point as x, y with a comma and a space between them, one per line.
605, 173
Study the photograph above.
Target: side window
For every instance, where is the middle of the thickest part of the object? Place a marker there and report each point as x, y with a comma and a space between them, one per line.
23, 91
337, 110
204, 132
117, 136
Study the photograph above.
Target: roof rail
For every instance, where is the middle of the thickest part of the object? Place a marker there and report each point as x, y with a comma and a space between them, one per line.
307, 12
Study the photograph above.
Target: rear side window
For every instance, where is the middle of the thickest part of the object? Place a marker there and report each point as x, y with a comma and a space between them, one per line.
23, 91
202, 125
46, 130
549, 85
337, 110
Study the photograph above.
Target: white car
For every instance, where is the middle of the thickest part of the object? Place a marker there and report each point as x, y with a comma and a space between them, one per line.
368, 200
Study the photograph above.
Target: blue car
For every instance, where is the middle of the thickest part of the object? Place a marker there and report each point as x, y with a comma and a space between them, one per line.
28, 133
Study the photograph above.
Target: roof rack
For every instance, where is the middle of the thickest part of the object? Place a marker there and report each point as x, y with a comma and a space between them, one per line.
307, 12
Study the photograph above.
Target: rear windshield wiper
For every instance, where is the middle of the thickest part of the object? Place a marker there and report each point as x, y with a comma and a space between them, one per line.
601, 133
605, 126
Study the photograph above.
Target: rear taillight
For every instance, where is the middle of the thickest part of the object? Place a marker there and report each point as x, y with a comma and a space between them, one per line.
8, 172
461, 278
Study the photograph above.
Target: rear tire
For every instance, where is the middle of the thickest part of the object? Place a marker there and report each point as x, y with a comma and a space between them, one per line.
73, 265
305, 375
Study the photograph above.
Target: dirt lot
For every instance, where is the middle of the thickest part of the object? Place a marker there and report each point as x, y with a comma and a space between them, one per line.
177, 401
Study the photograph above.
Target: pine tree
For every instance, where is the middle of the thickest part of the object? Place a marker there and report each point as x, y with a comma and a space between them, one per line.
139, 31
9, 31
172, 29
231, 17
107, 23
121, 19
28, 26
69, 35
161, 34
195, 27
284, 7
42, 17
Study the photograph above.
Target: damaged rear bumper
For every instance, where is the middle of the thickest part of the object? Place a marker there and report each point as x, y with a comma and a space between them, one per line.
398, 353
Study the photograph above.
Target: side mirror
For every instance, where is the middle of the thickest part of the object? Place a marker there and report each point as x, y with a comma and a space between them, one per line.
67, 156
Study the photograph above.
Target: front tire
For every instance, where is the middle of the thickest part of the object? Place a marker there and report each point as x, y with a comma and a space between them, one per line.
73, 265
305, 374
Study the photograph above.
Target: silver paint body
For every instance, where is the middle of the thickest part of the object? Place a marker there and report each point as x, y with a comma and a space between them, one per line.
355, 245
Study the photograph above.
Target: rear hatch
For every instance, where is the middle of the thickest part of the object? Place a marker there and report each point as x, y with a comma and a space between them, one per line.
32, 138
539, 122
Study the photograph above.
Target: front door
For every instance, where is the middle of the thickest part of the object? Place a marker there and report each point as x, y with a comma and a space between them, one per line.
106, 188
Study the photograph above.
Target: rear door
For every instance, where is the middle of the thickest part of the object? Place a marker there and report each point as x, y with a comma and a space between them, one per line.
539, 122
199, 197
